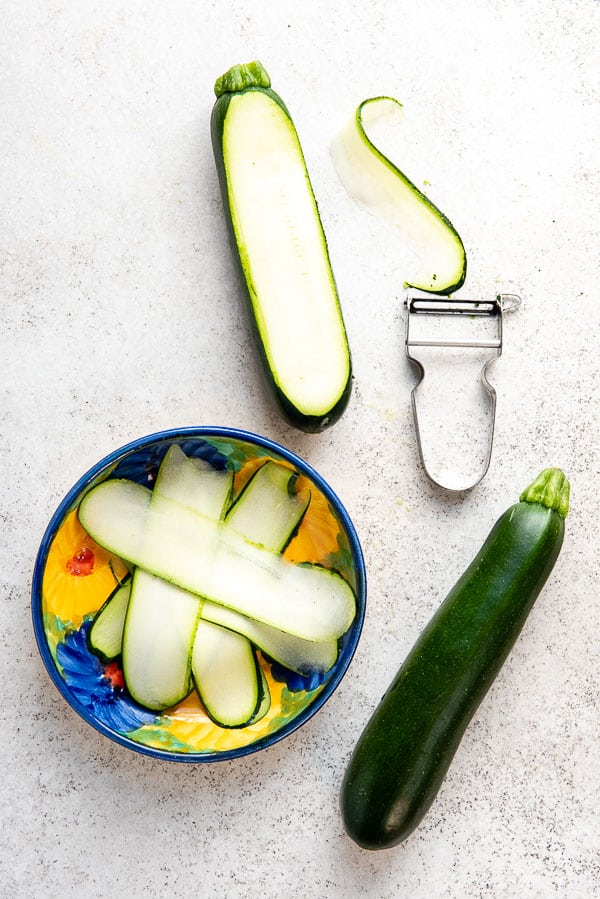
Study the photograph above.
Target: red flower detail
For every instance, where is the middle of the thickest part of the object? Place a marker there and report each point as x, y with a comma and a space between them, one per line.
114, 676
82, 563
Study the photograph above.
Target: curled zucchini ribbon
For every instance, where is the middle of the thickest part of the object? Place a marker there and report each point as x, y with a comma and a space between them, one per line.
372, 179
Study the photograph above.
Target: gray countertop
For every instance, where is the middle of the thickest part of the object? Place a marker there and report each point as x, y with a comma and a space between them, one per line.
121, 315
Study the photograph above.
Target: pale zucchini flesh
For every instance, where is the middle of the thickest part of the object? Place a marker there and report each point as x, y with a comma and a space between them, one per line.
267, 490
225, 672
106, 633
267, 512
376, 182
156, 624
301, 656
161, 620
157, 641
201, 556
194, 483
225, 669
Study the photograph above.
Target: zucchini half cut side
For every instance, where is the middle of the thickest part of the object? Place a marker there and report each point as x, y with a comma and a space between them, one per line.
373, 180
280, 245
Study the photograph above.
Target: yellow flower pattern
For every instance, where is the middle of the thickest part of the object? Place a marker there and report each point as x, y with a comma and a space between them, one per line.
79, 575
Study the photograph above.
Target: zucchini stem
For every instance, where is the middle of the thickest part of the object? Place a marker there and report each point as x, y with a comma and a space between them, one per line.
550, 489
242, 76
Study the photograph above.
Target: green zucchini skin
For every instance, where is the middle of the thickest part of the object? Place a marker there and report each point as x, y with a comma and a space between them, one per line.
107, 608
305, 422
404, 753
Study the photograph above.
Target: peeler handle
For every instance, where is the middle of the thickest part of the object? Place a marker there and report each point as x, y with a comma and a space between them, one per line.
465, 320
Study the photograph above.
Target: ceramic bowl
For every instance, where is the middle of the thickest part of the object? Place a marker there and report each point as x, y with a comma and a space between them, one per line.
73, 577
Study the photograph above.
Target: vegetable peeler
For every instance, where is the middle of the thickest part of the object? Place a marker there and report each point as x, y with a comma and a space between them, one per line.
451, 332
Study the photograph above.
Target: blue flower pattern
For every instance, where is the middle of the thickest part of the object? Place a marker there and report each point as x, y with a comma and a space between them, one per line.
142, 465
86, 678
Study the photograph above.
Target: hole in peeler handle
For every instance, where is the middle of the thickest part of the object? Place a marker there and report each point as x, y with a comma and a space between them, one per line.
454, 408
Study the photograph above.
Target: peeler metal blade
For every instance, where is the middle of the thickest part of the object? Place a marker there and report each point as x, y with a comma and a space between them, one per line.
473, 328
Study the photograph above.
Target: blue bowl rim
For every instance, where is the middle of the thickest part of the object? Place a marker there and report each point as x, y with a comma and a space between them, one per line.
200, 432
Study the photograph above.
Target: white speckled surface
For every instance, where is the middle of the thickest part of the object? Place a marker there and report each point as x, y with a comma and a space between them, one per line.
121, 315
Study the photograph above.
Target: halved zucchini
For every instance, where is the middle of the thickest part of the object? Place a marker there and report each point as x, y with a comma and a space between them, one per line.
280, 245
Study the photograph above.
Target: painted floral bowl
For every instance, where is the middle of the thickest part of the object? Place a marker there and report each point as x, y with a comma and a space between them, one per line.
74, 577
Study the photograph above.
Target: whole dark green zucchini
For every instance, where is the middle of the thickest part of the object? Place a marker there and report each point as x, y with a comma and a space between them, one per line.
280, 246
406, 748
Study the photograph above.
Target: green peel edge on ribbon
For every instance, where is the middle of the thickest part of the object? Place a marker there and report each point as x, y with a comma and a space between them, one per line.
378, 184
